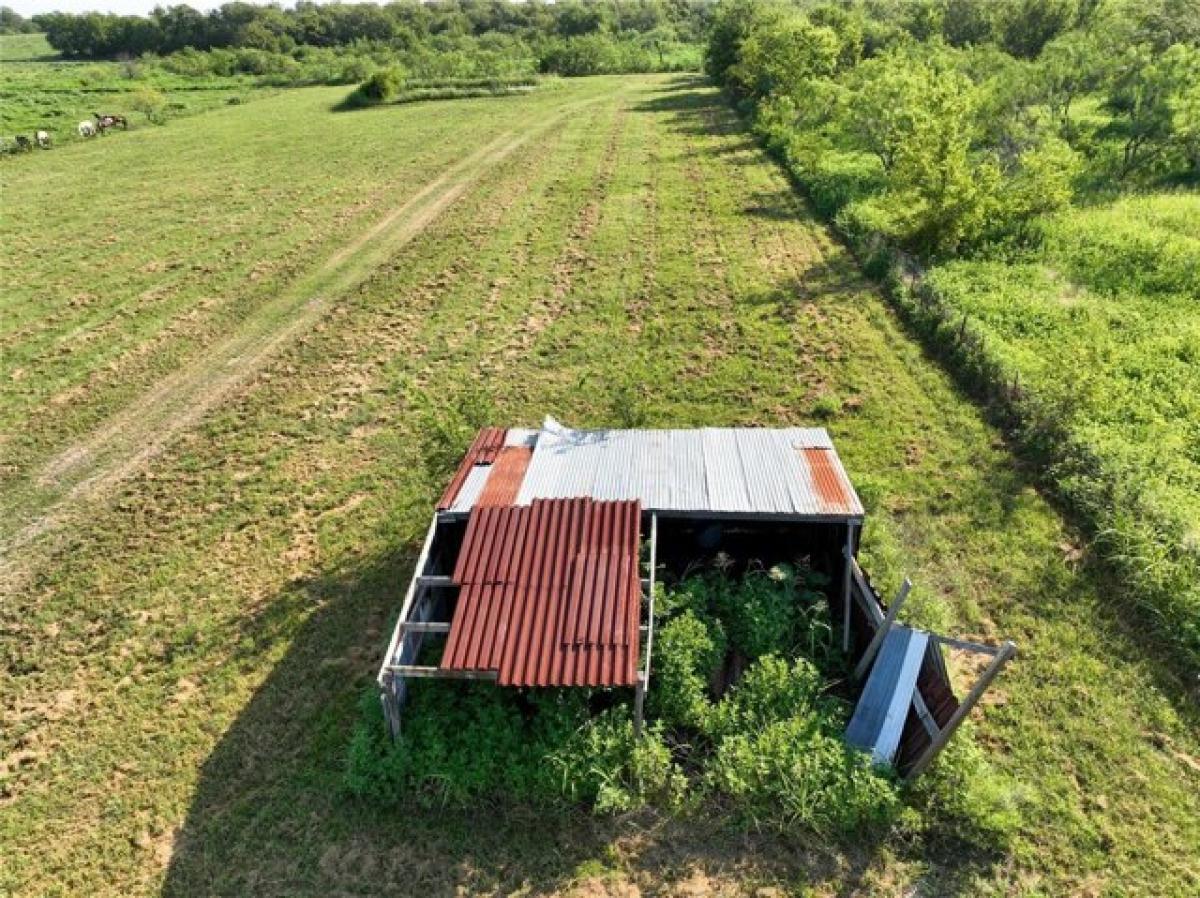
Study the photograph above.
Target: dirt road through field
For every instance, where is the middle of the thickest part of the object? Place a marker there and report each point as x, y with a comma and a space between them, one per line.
91, 467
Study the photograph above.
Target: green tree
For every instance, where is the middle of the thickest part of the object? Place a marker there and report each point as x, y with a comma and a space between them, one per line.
1026, 26
781, 57
1150, 99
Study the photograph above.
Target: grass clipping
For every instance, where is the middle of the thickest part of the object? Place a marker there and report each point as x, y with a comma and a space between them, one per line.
742, 714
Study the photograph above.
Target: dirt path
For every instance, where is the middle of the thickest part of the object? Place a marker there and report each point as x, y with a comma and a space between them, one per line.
90, 468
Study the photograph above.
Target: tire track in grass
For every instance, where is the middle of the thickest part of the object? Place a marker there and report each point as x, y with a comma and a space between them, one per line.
89, 469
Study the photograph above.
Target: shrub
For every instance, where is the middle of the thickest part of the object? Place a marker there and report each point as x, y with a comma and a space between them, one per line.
769, 691
383, 86
687, 652
790, 774
605, 764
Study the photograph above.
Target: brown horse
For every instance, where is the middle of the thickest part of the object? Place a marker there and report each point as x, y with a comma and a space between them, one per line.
104, 122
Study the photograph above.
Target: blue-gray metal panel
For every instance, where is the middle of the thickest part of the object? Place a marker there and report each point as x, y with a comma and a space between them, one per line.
879, 717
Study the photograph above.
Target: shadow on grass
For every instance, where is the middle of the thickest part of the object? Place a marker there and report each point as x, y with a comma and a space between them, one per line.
269, 815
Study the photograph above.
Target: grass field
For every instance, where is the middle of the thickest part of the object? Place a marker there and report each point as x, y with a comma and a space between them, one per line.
39, 91
213, 484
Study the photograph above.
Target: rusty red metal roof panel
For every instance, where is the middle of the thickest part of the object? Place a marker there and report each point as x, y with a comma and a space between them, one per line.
482, 451
504, 479
549, 594
832, 486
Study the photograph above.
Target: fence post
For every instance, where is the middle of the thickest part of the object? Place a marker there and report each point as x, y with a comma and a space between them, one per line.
882, 630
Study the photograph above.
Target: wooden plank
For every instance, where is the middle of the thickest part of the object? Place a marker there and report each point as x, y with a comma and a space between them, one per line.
847, 579
426, 626
881, 631
1006, 652
643, 683
967, 645
879, 717
866, 594
417, 671
924, 715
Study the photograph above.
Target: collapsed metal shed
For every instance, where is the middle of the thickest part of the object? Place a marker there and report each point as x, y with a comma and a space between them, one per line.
530, 568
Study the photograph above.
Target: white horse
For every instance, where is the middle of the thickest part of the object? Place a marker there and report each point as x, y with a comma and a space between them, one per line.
87, 129
43, 139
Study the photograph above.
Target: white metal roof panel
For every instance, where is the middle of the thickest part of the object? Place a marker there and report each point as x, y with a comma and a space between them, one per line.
720, 470
468, 493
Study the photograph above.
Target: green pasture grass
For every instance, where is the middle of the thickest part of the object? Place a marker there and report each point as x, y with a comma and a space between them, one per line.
40, 91
25, 48
184, 658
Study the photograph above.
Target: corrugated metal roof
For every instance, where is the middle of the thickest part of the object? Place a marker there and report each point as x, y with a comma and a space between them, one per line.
549, 594
504, 477
472, 487
788, 472
483, 451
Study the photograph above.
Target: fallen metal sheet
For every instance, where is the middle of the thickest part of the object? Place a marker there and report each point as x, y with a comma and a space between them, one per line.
879, 717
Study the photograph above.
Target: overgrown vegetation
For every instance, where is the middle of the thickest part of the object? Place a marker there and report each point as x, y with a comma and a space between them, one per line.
736, 715
999, 146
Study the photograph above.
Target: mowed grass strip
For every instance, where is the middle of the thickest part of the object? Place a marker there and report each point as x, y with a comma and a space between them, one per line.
183, 677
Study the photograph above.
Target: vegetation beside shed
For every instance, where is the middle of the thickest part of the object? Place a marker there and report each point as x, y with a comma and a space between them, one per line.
568, 565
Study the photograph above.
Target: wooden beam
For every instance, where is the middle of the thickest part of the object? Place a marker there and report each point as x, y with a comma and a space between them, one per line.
924, 715
426, 626
1006, 652
849, 553
644, 677
418, 671
881, 631
968, 646
867, 595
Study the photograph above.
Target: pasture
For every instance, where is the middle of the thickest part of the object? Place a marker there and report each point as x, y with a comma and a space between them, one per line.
212, 483
38, 90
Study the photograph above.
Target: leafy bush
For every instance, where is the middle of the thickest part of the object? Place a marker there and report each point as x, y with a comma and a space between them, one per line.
769, 691
791, 774
463, 743
770, 749
687, 652
382, 87
606, 765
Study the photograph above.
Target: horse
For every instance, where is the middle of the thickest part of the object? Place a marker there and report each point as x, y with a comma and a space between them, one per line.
87, 129
43, 139
109, 120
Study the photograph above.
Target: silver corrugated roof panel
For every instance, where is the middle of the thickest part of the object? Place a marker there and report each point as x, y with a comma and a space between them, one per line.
468, 493
719, 470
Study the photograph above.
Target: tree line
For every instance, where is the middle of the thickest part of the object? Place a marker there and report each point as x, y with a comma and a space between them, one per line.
949, 125
403, 25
